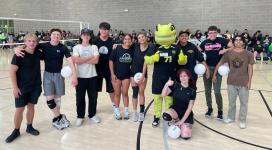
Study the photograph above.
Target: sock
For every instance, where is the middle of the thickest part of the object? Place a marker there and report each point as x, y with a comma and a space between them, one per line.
142, 107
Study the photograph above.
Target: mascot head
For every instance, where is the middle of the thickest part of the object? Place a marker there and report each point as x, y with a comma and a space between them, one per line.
165, 35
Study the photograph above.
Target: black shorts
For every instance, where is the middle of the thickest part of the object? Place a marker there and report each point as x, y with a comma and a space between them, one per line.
122, 77
190, 118
28, 97
109, 87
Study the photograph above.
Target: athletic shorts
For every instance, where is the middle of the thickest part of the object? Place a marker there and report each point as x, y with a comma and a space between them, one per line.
109, 87
28, 97
53, 84
190, 118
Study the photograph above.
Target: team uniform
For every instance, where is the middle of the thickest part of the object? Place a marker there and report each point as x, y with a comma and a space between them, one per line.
181, 99
122, 60
165, 68
87, 81
102, 68
193, 55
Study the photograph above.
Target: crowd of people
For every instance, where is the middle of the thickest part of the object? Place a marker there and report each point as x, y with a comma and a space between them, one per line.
117, 59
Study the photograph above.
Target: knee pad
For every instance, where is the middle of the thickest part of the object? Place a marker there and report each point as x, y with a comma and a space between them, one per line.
51, 104
58, 102
166, 117
135, 91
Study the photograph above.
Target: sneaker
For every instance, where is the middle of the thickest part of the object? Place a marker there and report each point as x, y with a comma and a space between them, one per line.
209, 113
79, 122
117, 114
32, 131
141, 117
15, 133
58, 124
242, 125
135, 116
63, 120
126, 115
95, 119
228, 120
156, 122
66, 121
220, 116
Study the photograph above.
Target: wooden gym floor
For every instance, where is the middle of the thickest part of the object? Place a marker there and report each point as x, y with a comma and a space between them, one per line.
110, 134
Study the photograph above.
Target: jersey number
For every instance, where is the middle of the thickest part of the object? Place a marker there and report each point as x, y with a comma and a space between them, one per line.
168, 59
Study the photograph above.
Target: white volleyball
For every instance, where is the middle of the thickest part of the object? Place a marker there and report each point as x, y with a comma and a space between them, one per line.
200, 69
66, 72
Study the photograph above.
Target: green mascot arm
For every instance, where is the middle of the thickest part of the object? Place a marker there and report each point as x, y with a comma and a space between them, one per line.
182, 58
153, 58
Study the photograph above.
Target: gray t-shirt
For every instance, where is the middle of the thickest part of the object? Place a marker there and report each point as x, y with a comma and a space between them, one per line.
85, 70
238, 64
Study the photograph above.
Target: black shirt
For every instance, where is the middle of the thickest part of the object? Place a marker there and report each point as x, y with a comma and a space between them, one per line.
212, 48
138, 59
29, 72
182, 96
53, 56
166, 66
104, 49
122, 60
193, 55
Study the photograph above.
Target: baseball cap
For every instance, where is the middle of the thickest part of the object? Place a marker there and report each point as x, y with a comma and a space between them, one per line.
184, 31
86, 31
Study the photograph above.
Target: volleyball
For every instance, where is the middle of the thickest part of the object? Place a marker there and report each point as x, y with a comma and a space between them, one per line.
200, 69
66, 72
223, 70
174, 132
137, 77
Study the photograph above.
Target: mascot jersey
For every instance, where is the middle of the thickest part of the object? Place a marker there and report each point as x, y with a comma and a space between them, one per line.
165, 68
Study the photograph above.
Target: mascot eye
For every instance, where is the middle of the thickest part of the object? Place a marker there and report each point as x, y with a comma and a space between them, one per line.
156, 27
172, 27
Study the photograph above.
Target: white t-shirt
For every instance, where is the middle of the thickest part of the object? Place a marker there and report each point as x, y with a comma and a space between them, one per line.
85, 70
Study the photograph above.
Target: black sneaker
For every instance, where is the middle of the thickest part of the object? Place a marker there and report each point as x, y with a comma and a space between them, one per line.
15, 133
156, 122
208, 114
32, 131
220, 115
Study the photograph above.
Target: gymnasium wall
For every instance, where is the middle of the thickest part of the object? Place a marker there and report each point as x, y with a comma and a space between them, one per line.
194, 14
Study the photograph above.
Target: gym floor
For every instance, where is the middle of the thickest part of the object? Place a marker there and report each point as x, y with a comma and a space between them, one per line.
112, 134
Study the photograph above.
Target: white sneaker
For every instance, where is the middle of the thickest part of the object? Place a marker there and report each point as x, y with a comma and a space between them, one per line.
135, 116
242, 125
126, 115
79, 122
65, 121
95, 119
141, 117
58, 124
117, 114
228, 120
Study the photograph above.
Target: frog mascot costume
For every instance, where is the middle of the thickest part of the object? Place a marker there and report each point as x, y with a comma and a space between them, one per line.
165, 59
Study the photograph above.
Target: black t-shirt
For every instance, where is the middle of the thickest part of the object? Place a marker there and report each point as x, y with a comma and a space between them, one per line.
29, 72
104, 49
138, 59
258, 48
212, 48
182, 97
166, 66
122, 60
193, 55
53, 56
